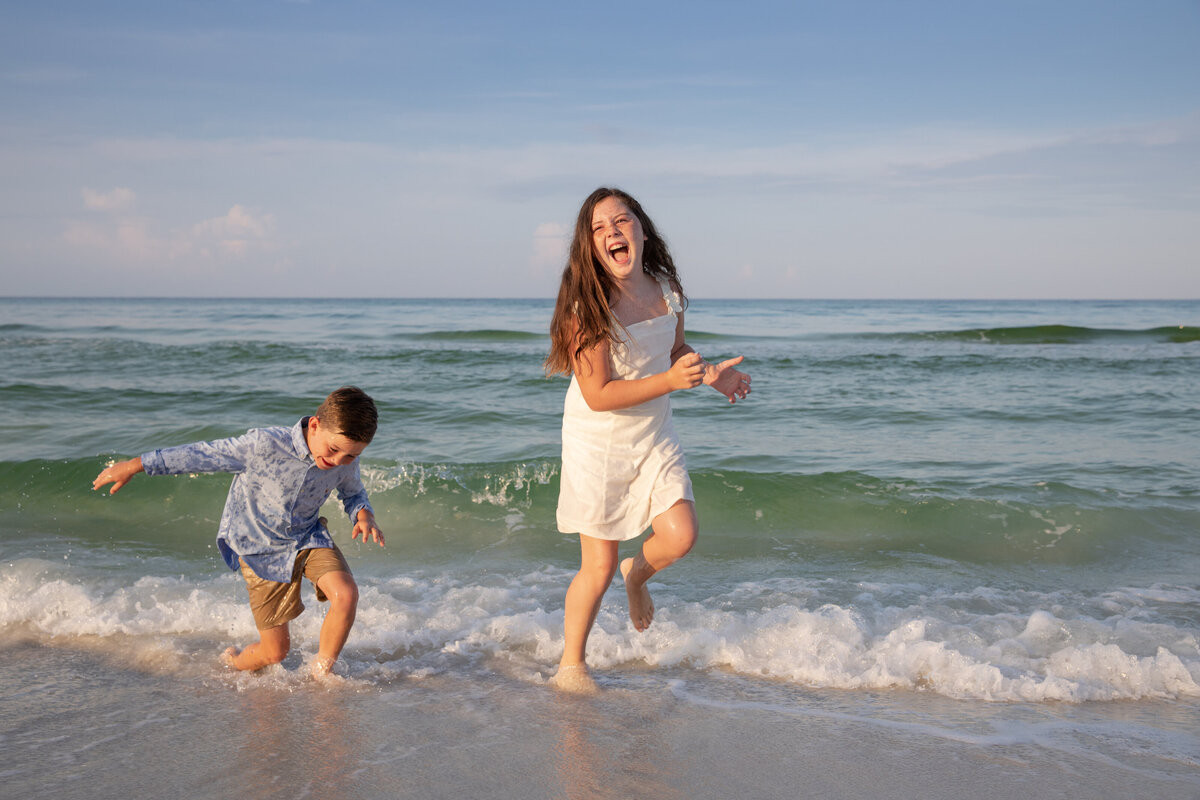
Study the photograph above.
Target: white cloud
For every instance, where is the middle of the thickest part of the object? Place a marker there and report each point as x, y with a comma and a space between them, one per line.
118, 199
879, 213
132, 240
235, 234
128, 239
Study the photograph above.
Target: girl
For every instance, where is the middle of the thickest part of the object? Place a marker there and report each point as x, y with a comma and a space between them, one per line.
618, 331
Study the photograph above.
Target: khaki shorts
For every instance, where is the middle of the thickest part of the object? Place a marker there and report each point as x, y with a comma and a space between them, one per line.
274, 603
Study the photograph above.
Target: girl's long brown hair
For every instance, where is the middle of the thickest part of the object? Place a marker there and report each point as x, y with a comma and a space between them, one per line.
582, 316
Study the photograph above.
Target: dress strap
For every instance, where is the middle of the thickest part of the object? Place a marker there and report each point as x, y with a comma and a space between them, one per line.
669, 294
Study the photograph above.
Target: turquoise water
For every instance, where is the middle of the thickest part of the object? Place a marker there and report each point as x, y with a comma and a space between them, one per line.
1013, 486
994, 504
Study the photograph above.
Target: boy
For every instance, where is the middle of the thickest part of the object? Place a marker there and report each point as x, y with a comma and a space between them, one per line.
270, 527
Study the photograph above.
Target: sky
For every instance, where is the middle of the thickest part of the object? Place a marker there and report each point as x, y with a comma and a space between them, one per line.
272, 148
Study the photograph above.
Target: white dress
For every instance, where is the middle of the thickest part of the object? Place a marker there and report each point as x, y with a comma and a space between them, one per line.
621, 469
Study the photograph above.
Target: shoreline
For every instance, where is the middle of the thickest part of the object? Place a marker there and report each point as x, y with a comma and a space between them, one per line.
79, 726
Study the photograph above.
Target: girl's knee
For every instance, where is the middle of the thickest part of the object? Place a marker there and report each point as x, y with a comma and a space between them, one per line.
599, 558
678, 528
600, 564
688, 538
601, 573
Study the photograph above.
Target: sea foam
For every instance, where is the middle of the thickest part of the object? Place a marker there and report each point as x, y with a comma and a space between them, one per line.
428, 623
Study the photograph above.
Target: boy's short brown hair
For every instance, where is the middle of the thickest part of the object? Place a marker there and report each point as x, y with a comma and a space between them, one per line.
350, 412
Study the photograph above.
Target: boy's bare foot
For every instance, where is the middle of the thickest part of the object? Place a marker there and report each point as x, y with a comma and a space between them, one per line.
228, 656
574, 679
322, 666
641, 607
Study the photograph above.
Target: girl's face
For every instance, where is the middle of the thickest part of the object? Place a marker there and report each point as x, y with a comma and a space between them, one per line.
617, 238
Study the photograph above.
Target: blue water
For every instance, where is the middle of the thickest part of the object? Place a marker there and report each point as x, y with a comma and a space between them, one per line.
977, 501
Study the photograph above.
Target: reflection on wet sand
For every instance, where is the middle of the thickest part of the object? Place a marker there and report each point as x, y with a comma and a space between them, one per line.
302, 742
607, 748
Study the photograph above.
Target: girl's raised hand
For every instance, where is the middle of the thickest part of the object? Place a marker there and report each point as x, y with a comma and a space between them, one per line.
730, 382
687, 372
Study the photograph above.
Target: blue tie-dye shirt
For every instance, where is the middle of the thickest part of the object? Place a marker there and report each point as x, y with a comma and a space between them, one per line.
274, 503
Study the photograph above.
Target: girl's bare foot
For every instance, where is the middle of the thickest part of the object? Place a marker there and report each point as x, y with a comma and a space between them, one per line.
575, 679
641, 607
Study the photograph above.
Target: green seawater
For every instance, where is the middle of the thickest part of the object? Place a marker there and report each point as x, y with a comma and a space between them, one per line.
1014, 486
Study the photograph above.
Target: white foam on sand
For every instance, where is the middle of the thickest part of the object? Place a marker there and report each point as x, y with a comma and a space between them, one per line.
435, 623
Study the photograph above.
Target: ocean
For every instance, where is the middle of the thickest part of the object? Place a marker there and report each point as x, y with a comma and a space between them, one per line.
946, 546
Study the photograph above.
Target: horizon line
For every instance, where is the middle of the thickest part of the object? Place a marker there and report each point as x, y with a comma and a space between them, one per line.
359, 298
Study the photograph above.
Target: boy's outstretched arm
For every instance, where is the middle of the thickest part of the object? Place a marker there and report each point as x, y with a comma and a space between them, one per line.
366, 526
118, 474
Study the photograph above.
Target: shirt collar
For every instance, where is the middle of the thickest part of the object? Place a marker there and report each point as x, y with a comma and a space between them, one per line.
299, 442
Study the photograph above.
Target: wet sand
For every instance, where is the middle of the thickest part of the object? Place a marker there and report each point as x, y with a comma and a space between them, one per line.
77, 725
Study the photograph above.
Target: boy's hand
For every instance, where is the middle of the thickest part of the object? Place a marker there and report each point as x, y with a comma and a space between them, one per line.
118, 474
366, 526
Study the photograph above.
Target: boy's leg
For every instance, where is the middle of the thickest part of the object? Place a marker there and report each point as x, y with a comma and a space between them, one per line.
341, 590
273, 605
271, 648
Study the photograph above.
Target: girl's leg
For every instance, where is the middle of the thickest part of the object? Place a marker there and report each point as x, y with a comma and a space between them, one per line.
271, 648
674, 533
342, 591
598, 564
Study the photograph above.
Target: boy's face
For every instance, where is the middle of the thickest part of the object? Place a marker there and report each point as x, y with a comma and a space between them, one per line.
330, 450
